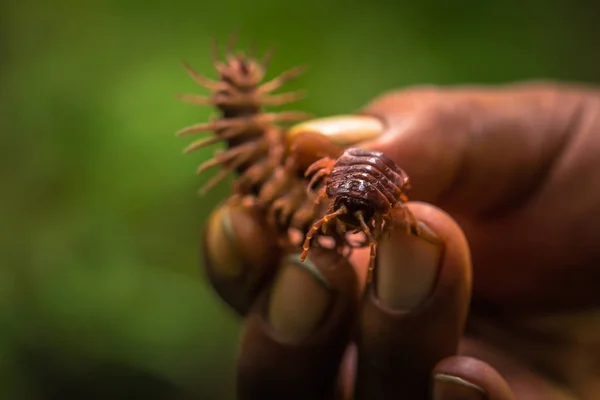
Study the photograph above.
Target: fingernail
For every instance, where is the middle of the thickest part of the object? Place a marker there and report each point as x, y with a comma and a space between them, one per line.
447, 387
407, 267
237, 238
222, 253
299, 300
344, 130
240, 251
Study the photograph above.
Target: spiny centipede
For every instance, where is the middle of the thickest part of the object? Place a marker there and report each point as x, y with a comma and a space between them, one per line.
251, 134
271, 163
256, 143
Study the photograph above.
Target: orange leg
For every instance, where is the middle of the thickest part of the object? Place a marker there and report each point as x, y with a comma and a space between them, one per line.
315, 228
372, 244
202, 80
304, 215
321, 196
323, 163
272, 189
277, 82
281, 99
229, 160
283, 208
341, 227
322, 173
377, 226
254, 175
412, 225
227, 133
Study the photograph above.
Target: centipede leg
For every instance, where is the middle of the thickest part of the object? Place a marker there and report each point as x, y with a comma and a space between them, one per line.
282, 209
324, 163
305, 214
282, 99
341, 228
372, 244
247, 150
203, 81
321, 196
255, 175
322, 173
412, 225
279, 81
315, 228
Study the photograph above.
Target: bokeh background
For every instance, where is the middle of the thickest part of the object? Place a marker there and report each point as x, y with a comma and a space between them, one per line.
101, 289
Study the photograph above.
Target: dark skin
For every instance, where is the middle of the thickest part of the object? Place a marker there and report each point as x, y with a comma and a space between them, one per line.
516, 171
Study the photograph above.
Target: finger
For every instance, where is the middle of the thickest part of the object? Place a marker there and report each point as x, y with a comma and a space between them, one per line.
467, 378
524, 381
240, 254
454, 141
296, 334
502, 160
414, 312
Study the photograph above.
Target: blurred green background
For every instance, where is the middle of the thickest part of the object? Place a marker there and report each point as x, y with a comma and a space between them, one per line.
101, 290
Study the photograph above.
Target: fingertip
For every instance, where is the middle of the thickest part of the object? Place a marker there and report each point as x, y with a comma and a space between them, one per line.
295, 336
413, 314
470, 379
456, 262
412, 269
240, 253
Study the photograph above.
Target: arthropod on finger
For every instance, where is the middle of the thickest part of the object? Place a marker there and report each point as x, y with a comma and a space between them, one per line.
254, 139
364, 187
306, 143
269, 159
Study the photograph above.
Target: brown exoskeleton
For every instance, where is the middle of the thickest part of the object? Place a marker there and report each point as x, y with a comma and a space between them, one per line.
365, 186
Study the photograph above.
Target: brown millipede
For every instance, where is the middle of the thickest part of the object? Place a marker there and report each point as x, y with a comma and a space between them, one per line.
364, 186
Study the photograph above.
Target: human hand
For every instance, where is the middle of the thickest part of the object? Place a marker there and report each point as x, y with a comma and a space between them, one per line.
477, 153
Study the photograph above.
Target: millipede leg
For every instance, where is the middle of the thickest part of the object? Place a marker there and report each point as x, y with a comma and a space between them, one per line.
323, 163
412, 224
281, 99
321, 196
372, 244
315, 228
281, 79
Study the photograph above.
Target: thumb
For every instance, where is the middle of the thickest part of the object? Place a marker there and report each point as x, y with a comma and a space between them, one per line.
455, 141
